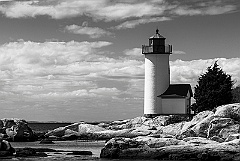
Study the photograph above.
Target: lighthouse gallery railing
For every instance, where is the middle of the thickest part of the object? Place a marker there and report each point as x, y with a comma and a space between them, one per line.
157, 49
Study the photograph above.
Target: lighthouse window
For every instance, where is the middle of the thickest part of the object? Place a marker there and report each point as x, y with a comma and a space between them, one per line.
151, 42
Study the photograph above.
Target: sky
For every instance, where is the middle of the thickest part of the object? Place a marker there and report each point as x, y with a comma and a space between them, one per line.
80, 60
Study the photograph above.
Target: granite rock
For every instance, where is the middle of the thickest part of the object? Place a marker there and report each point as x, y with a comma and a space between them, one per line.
16, 130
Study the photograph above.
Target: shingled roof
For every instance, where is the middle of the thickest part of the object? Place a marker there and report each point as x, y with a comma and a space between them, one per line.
177, 90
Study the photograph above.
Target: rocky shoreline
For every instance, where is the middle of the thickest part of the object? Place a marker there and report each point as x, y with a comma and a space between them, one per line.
210, 135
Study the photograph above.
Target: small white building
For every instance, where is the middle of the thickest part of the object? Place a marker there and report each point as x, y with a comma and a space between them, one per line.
161, 97
176, 99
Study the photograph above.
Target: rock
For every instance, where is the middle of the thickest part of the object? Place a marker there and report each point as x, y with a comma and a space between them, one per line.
152, 142
201, 128
196, 119
108, 134
177, 150
17, 130
24, 152
229, 130
66, 130
217, 138
58, 132
161, 136
172, 129
198, 125
5, 154
187, 133
229, 111
54, 138
46, 141
199, 140
207, 124
70, 132
235, 142
142, 122
233, 137
217, 124
141, 132
88, 128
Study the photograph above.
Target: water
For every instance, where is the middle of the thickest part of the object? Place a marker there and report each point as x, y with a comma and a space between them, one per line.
95, 147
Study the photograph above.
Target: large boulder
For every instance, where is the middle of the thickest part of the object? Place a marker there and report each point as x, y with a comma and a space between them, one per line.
198, 121
142, 122
152, 142
214, 125
108, 134
199, 140
171, 129
218, 124
58, 132
16, 130
75, 131
88, 128
229, 111
170, 149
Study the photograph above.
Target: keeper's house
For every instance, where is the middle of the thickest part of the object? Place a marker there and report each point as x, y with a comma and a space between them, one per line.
176, 99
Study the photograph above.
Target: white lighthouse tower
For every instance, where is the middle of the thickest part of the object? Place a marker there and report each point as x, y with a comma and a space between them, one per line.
157, 73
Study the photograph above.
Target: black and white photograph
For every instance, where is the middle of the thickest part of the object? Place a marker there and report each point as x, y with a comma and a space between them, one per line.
119, 79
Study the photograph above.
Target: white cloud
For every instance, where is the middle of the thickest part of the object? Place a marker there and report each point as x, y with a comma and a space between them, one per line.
82, 93
98, 9
135, 12
72, 77
57, 69
110, 10
133, 52
106, 92
31, 56
93, 32
178, 52
134, 23
206, 10
189, 71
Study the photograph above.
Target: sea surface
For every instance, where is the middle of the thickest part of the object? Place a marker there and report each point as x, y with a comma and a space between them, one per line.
95, 147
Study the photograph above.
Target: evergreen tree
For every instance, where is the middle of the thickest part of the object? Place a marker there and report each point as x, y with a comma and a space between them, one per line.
236, 94
213, 89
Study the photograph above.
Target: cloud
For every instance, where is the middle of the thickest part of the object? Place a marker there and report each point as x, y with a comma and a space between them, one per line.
178, 52
72, 79
134, 23
113, 10
82, 93
133, 52
189, 71
58, 68
92, 32
98, 9
206, 10
129, 13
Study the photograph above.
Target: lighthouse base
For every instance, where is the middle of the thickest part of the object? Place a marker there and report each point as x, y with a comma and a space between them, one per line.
151, 115
182, 117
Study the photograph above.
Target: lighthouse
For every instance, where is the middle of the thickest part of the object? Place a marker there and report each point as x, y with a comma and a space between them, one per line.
157, 73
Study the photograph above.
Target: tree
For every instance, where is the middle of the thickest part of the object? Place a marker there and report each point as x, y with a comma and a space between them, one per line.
213, 89
236, 94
